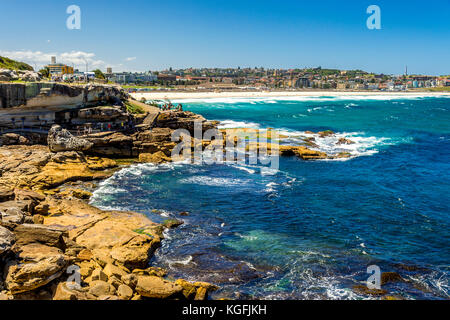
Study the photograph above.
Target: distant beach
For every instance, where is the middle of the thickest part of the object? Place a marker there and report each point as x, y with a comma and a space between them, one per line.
267, 94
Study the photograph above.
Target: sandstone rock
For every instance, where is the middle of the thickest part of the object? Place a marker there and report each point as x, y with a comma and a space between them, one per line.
197, 290
155, 287
108, 297
101, 288
115, 282
130, 280
158, 157
32, 233
112, 270
37, 265
85, 255
151, 271
64, 292
7, 239
302, 152
81, 194
189, 290
201, 294
42, 209
125, 292
98, 274
23, 206
6, 194
60, 140
12, 216
24, 195
135, 255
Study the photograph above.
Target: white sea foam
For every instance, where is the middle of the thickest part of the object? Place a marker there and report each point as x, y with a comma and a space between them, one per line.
230, 124
214, 182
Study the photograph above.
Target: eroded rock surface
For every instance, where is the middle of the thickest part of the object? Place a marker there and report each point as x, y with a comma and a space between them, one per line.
60, 140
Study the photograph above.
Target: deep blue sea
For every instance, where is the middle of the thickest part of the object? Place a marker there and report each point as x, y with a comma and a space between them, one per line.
310, 230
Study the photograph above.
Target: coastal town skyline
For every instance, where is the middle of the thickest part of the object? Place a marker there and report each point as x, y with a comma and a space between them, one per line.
201, 35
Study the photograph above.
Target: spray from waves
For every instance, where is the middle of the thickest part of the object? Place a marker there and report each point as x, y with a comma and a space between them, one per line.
230, 124
361, 145
271, 100
214, 182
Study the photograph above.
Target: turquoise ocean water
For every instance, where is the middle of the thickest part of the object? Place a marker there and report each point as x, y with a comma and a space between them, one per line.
310, 230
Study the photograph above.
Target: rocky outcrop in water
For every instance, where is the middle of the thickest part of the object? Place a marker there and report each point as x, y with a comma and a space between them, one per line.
60, 140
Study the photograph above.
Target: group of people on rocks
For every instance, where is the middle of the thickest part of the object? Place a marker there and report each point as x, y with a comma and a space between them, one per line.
100, 127
171, 107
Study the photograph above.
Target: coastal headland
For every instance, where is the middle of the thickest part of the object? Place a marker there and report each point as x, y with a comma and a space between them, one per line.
56, 143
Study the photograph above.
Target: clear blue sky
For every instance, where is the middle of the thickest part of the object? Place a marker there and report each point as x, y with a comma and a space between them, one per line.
148, 34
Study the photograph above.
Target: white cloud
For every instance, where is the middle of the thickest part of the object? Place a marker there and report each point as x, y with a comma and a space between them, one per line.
75, 58
131, 59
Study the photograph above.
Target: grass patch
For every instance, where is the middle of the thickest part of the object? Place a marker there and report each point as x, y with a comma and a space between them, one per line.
142, 231
6, 63
133, 108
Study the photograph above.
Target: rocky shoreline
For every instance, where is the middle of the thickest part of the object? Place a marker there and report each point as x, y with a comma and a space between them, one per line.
50, 231
54, 245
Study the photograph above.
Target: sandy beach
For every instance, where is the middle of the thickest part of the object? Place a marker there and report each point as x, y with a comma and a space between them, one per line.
267, 94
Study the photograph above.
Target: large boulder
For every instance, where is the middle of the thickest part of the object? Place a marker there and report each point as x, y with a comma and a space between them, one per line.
7, 239
36, 266
157, 288
35, 233
29, 76
60, 140
8, 75
183, 120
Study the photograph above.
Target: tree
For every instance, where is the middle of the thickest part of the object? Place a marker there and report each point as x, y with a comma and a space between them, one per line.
45, 72
99, 74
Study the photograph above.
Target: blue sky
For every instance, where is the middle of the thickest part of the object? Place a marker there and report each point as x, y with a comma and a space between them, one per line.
146, 34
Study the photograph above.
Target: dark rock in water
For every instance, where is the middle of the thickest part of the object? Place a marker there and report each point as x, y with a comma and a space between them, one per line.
184, 214
345, 141
327, 133
409, 268
60, 140
172, 223
363, 289
387, 277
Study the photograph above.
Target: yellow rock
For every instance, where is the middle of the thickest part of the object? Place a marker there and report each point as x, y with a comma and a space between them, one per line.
158, 157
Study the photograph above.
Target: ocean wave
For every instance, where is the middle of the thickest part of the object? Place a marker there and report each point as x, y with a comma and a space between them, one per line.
231, 124
362, 145
213, 182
